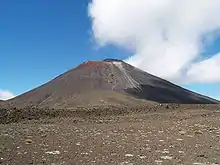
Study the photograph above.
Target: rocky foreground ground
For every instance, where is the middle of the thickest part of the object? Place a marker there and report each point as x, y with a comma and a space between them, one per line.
166, 135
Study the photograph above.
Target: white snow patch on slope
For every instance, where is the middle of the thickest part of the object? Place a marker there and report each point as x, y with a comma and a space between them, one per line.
129, 81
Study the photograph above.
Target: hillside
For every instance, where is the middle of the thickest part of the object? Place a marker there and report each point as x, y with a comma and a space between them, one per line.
104, 83
3, 104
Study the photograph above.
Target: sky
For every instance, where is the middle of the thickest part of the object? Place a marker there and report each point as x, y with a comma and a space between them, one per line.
178, 40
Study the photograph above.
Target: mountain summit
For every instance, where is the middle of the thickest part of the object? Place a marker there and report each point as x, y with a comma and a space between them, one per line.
110, 81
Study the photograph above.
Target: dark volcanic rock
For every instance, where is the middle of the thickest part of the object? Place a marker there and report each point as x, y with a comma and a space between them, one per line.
110, 81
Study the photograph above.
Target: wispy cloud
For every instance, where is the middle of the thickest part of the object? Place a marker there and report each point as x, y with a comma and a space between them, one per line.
5, 95
166, 36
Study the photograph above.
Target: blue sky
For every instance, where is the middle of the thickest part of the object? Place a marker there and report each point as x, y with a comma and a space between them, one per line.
41, 39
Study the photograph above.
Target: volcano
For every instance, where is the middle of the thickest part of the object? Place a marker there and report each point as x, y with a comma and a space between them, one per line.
108, 82
3, 103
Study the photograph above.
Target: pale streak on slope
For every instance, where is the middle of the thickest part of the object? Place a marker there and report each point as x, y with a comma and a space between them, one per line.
128, 80
112, 71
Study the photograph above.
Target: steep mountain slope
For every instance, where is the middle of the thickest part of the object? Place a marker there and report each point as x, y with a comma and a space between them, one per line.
106, 82
3, 104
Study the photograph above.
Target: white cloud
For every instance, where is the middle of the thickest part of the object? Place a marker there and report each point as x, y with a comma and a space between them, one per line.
5, 95
166, 36
205, 71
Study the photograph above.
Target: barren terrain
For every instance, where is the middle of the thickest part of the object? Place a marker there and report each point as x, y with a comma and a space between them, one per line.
108, 82
161, 134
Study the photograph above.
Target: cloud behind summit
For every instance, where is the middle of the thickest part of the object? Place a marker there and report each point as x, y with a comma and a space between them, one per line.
5, 95
167, 37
